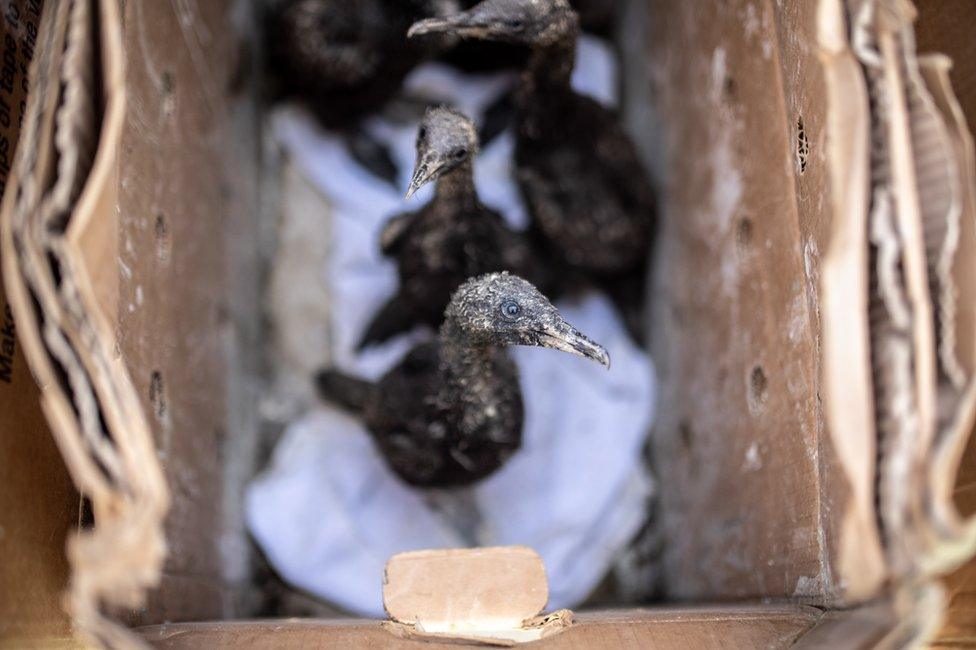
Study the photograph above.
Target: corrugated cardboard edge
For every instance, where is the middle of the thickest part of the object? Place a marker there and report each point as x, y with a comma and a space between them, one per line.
943, 173
899, 303
904, 454
955, 536
925, 538
115, 561
124, 561
920, 454
38, 502
847, 359
533, 629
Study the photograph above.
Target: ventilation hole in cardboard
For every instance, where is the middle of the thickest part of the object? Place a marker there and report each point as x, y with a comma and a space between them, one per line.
55, 267
686, 434
221, 437
166, 78
157, 394
223, 314
86, 514
743, 232
729, 87
163, 243
758, 388
802, 146
168, 100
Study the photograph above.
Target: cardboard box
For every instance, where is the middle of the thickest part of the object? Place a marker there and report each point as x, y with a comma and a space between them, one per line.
813, 324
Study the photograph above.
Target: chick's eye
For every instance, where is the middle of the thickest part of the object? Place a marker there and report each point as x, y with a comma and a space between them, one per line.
514, 23
511, 309
460, 153
422, 133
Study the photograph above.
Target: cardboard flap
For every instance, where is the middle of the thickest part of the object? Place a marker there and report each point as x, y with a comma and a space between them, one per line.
38, 503
844, 278
925, 444
905, 355
954, 535
916, 249
58, 256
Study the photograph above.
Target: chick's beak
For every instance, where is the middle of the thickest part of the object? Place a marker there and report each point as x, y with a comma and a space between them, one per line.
566, 338
424, 172
465, 24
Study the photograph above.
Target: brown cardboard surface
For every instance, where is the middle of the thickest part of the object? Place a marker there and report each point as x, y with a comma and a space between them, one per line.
179, 206
876, 625
807, 113
946, 27
769, 626
741, 446
959, 627
38, 504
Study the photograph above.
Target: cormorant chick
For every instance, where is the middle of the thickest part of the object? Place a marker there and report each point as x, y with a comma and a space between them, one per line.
596, 16
588, 194
346, 59
450, 413
449, 240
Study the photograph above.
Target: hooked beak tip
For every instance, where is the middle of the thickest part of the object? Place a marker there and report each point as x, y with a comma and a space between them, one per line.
576, 343
427, 26
411, 191
593, 351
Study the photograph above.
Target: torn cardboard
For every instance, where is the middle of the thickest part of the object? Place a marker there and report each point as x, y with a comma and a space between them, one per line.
39, 506
918, 203
58, 237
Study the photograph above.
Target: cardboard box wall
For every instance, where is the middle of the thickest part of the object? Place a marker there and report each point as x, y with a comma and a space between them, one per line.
746, 457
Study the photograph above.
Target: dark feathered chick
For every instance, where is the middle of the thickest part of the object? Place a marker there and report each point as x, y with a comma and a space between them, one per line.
451, 238
450, 413
345, 59
587, 191
596, 16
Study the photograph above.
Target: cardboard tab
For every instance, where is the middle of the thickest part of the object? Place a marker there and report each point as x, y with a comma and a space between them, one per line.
489, 595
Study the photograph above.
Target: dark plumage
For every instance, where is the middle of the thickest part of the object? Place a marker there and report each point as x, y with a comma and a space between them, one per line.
345, 59
449, 240
596, 16
450, 413
588, 193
